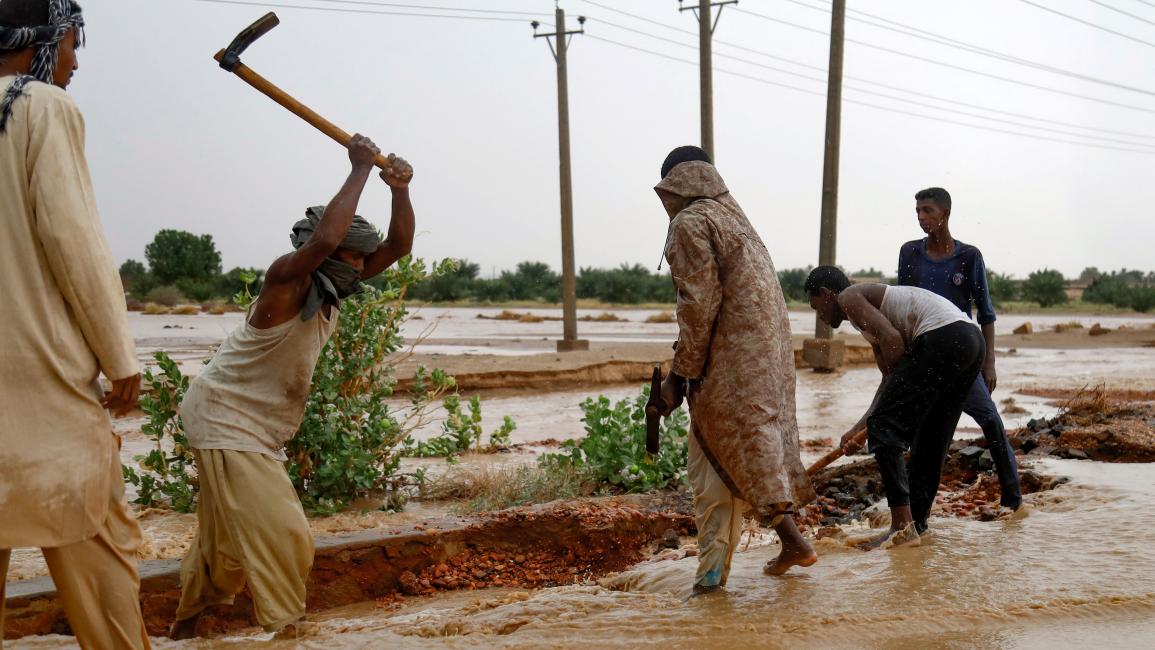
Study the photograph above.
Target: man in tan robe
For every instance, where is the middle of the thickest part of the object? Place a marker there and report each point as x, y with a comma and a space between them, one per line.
64, 323
734, 361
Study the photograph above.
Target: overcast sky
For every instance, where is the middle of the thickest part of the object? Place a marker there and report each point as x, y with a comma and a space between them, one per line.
175, 142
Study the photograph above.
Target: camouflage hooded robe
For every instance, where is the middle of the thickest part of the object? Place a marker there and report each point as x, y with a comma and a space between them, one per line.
734, 344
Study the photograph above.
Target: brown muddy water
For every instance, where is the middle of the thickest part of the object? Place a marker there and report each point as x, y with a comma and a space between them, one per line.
1075, 568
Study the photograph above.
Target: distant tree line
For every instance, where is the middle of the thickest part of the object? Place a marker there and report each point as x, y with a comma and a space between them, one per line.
183, 267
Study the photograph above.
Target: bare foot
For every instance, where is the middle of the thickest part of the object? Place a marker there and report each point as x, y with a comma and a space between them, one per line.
790, 557
184, 629
907, 536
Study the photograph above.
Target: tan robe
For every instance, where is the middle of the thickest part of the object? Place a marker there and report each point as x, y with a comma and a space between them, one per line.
64, 323
734, 342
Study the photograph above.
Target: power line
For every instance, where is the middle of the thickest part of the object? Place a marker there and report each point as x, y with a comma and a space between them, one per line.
1118, 10
1088, 23
955, 66
434, 8
870, 105
895, 88
279, 5
915, 32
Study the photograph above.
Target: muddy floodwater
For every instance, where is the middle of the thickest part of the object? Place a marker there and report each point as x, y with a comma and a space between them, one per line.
1074, 568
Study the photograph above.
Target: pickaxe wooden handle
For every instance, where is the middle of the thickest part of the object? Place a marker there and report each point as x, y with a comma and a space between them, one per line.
229, 59
858, 438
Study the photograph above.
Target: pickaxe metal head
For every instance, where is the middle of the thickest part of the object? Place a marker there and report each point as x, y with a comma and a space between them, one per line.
230, 57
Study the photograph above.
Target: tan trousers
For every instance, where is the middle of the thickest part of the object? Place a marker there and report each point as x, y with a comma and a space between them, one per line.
718, 515
96, 580
252, 530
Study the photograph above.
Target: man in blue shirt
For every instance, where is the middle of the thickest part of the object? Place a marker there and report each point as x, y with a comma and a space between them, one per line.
956, 271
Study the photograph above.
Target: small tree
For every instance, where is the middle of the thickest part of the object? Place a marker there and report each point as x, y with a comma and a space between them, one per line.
793, 283
350, 443
178, 255
1002, 287
131, 273
1046, 287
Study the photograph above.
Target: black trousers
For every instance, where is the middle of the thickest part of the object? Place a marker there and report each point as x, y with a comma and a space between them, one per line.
919, 409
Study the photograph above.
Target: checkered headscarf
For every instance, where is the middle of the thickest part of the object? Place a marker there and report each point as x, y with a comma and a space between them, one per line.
63, 15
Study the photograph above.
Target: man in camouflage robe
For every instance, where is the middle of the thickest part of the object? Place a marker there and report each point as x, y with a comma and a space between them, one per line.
734, 360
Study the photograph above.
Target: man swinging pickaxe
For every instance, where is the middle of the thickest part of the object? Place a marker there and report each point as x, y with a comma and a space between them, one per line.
230, 59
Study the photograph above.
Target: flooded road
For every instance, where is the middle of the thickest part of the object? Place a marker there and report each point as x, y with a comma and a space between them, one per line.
1076, 569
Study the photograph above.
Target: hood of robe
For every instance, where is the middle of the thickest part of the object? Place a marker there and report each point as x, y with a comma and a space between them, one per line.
694, 180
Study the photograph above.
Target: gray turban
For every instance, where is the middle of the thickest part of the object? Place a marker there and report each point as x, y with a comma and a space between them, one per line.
63, 15
334, 280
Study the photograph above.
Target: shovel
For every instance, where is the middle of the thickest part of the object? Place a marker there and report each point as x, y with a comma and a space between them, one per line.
858, 438
230, 60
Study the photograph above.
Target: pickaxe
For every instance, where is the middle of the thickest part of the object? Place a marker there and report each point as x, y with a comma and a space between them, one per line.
230, 59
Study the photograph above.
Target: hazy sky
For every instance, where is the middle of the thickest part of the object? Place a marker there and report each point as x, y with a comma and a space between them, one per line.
175, 142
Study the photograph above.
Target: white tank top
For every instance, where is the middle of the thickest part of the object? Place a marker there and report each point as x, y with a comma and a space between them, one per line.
914, 311
252, 395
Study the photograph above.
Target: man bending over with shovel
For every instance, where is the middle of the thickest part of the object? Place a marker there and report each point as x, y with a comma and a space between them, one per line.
929, 353
249, 401
734, 360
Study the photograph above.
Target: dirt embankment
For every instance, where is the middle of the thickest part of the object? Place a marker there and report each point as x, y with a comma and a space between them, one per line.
604, 363
1094, 424
552, 544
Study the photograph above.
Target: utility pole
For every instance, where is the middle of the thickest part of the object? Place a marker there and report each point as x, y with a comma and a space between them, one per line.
558, 46
823, 352
706, 28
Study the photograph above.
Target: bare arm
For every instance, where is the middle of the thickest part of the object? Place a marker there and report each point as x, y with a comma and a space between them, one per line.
888, 343
989, 374
295, 267
402, 223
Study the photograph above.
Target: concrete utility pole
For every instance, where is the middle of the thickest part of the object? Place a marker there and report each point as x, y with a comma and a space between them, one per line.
706, 28
569, 341
823, 352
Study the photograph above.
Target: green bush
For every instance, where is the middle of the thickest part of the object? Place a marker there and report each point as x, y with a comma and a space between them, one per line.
1002, 287
1046, 287
614, 449
1142, 299
175, 254
461, 432
793, 283
165, 478
350, 443
168, 295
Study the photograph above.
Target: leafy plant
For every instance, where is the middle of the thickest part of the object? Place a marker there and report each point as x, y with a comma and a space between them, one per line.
461, 432
614, 449
165, 478
1046, 287
350, 443
245, 297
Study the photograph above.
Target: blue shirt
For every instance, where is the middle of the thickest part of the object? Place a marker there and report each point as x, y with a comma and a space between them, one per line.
960, 278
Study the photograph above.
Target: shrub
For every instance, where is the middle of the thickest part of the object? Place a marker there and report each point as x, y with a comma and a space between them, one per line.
1002, 287
350, 443
187, 310
461, 432
198, 290
614, 449
662, 317
793, 283
153, 309
1046, 287
164, 478
1142, 299
168, 295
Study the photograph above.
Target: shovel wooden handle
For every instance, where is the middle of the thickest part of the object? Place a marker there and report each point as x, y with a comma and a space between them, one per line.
270, 90
858, 438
